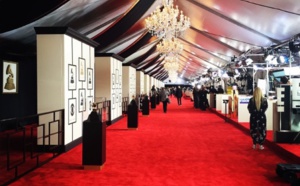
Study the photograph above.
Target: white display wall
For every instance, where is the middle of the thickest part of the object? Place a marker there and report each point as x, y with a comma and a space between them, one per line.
108, 82
147, 84
152, 82
129, 81
65, 73
140, 83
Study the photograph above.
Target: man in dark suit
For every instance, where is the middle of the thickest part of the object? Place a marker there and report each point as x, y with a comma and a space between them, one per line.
178, 95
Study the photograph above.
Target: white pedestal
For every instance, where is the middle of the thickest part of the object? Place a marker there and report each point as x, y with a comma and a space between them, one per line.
208, 99
224, 109
243, 114
219, 102
269, 114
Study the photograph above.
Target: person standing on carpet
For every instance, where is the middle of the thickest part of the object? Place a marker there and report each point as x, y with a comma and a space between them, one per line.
178, 95
164, 96
257, 107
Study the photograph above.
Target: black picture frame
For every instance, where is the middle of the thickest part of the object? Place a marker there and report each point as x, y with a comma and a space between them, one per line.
90, 79
81, 100
81, 69
89, 103
72, 77
10, 77
72, 110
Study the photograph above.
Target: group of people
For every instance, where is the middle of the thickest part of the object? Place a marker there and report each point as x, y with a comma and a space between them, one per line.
164, 93
200, 98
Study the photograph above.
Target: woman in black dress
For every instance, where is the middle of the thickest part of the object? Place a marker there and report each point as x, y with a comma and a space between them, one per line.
257, 107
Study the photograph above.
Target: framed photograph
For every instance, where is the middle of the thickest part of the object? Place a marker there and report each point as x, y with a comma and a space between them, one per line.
72, 110
113, 81
10, 77
89, 103
120, 81
81, 68
72, 77
120, 100
113, 101
117, 76
90, 79
81, 99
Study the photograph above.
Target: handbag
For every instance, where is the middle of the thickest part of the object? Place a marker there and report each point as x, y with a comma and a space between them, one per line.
168, 100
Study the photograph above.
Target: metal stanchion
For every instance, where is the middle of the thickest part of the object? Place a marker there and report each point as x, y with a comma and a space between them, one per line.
225, 101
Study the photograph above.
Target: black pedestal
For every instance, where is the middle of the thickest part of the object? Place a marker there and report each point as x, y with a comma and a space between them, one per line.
145, 106
132, 117
153, 102
93, 145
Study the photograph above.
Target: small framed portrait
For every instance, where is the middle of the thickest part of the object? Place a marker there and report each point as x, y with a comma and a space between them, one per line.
81, 100
113, 100
10, 77
81, 68
113, 81
90, 79
89, 103
72, 110
72, 77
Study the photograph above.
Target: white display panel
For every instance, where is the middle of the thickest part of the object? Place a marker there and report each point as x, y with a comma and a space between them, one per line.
219, 102
243, 115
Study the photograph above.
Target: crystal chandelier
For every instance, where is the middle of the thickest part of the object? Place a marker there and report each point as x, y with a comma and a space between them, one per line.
167, 22
170, 46
171, 64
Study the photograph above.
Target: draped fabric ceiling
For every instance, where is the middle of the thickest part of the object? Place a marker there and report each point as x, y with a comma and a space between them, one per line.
220, 30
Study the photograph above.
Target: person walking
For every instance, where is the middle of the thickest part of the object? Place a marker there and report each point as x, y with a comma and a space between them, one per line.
257, 107
164, 96
178, 95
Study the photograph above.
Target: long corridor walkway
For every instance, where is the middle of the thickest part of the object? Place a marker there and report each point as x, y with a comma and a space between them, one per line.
183, 147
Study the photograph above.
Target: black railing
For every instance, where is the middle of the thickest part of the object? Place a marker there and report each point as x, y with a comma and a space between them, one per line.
103, 108
26, 143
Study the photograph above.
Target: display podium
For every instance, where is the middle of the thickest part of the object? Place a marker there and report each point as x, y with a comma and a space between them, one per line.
93, 145
132, 117
145, 106
153, 102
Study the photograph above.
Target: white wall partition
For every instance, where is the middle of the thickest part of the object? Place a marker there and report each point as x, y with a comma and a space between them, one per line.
65, 73
147, 84
129, 81
140, 87
108, 81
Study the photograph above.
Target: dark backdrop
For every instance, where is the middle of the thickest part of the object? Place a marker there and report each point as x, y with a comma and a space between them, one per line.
23, 103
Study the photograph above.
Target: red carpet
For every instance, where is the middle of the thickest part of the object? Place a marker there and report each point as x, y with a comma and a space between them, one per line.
183, 147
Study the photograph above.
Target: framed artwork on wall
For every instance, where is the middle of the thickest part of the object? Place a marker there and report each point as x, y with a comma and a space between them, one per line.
90, 79
113, 81
113, 101
72, 77
10, 77
81, 68
89, 103
81, 99
72, 110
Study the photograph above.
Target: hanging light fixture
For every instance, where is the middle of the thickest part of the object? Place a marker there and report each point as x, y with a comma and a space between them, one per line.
170, 46
167, 22
171, 63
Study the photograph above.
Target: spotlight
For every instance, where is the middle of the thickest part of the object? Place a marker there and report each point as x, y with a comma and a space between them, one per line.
294, 47
249, 61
